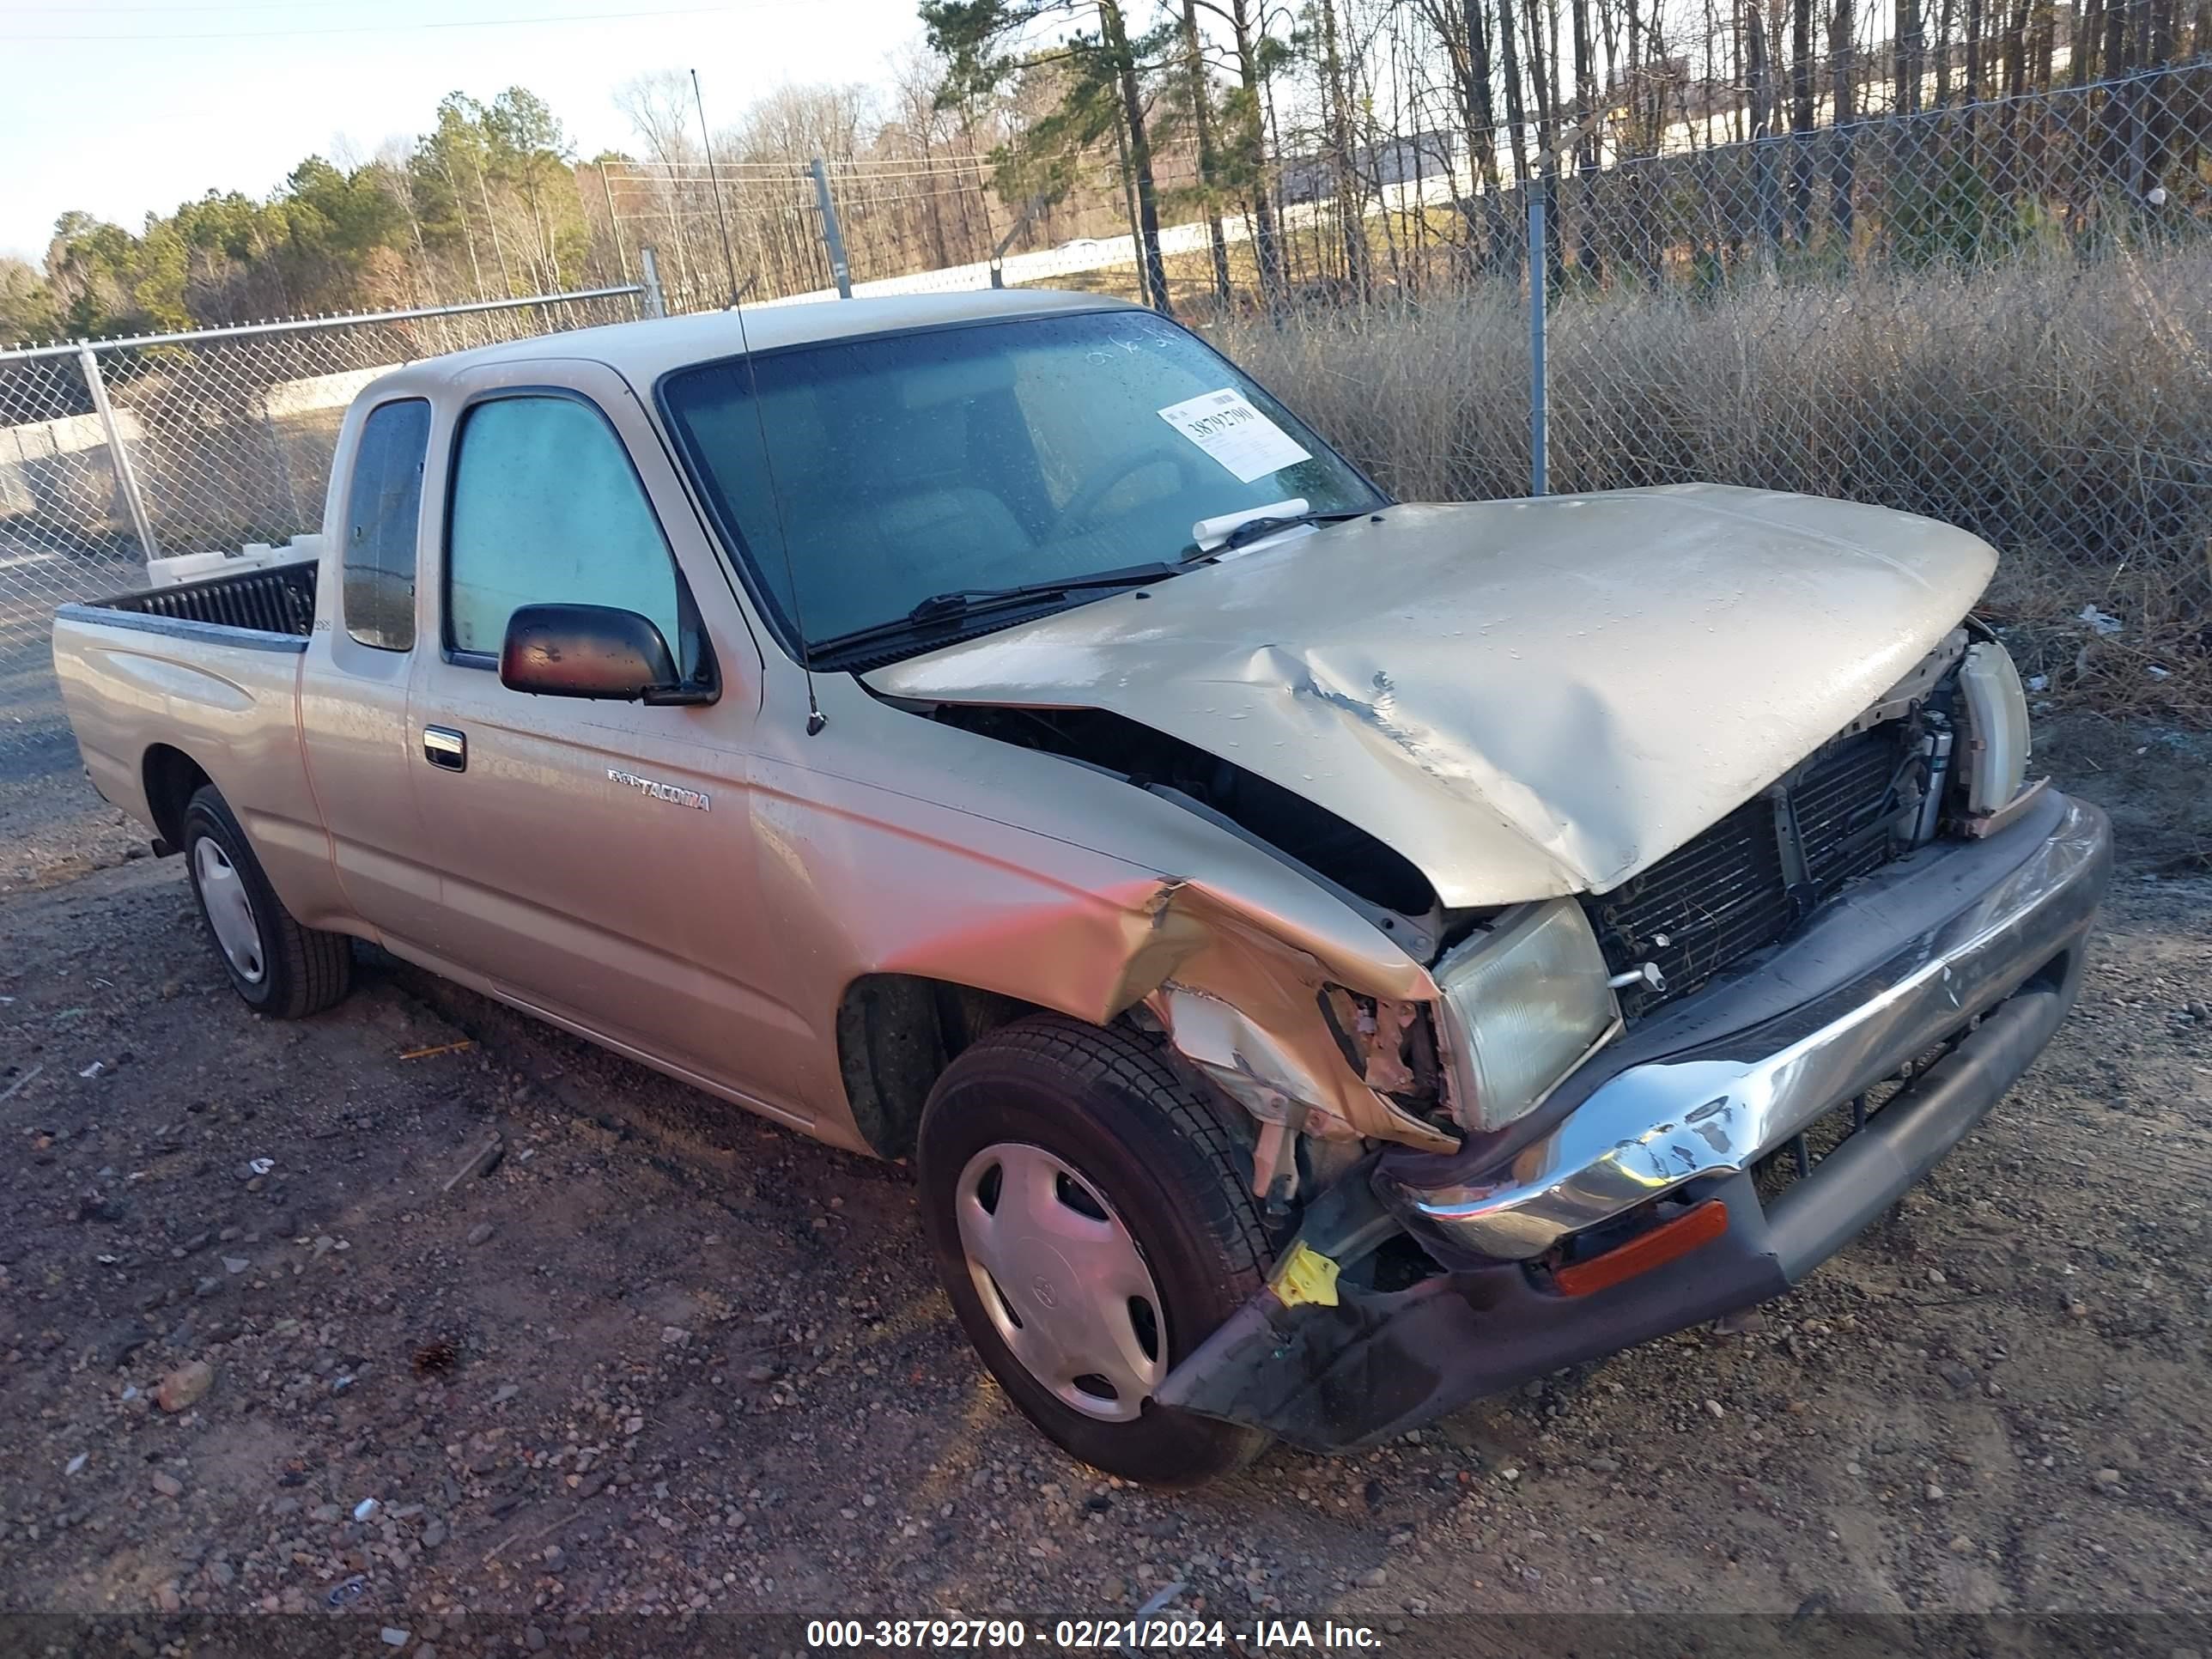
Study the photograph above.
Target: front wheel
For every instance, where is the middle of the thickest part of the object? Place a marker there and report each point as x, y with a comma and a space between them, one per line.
1092, 1225
279, 968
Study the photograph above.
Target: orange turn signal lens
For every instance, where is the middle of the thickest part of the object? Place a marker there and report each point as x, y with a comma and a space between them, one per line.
1668, 1241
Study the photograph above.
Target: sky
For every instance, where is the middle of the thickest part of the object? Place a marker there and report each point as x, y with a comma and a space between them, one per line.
122, 106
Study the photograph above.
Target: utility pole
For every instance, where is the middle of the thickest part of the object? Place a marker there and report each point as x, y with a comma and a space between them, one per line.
832, 238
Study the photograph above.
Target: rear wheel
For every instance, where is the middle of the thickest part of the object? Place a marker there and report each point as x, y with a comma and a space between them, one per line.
1092, 1225
279, 968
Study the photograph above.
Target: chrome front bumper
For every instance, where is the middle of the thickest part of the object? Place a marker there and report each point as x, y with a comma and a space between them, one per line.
1989, 915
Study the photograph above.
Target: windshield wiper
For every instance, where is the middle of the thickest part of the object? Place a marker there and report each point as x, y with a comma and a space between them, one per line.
1267, 525
961, 602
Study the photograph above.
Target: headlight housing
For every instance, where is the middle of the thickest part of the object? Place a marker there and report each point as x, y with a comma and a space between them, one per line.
1996, 727
1528, 1001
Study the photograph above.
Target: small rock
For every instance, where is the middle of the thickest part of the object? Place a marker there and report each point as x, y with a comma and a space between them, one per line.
1962, 1545
635, 1426
761, 1373
1375, 1577
434, 1535
168, 1486
392, 1637
534, 1639
1713, 1408
1935, 1494
480, 1233
1935, 1276
367, 1508
1113, 1590
481, 1160
235, 1264
183, 1386
555, 1557
2107, 1477
75, 1463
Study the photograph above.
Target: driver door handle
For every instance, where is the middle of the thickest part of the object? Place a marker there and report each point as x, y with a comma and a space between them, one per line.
442, 746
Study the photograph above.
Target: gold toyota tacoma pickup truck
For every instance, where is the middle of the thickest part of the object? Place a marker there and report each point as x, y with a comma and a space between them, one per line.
1325, 958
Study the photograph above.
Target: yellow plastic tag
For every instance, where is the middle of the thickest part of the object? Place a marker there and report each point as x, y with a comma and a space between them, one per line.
1306, 1275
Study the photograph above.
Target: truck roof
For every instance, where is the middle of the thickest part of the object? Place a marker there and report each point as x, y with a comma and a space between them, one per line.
643, 352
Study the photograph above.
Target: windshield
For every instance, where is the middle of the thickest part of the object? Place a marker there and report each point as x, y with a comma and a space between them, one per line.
1034, 450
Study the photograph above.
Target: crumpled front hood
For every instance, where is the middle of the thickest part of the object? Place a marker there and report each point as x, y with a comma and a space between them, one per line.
1525, 698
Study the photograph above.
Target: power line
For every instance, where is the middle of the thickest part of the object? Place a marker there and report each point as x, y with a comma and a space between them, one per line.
903, 164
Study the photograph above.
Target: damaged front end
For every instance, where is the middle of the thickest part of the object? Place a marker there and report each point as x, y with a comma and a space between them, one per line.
1502, 1138
1819, 1034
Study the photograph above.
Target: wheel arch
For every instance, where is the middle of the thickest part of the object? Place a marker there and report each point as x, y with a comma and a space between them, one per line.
170, 778
896, 1034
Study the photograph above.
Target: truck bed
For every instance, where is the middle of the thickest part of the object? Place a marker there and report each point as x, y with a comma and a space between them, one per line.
280, 600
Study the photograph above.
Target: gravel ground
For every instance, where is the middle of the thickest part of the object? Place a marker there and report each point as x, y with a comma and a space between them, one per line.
273, 1328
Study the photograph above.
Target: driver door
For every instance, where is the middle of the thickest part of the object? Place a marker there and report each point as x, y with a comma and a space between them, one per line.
597, 855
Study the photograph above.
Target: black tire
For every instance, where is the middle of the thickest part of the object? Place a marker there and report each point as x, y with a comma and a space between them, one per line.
302, 969
1107, 1105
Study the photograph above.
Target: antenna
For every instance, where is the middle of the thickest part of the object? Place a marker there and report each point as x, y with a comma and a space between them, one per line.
815, 719
729, 260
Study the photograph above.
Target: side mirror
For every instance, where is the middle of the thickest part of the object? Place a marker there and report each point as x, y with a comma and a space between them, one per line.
589, 650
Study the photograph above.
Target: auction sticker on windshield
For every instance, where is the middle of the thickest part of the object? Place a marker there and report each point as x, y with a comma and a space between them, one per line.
1226, 427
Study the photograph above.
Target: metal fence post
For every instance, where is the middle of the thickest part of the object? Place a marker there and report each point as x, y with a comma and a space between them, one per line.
656, 302
125, 477
831, 236
1539, 388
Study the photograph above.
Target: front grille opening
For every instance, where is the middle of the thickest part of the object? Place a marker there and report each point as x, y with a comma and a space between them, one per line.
1796, 1159
1753, 878
1398, 1264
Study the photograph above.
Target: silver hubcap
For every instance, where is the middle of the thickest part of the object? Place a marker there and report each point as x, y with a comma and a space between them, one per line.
228, 910
1062, 1281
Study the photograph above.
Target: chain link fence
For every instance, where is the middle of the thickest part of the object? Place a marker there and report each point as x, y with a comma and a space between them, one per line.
114, 451
1997, 314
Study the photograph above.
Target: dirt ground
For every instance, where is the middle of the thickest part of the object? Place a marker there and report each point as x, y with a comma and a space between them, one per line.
660, 1356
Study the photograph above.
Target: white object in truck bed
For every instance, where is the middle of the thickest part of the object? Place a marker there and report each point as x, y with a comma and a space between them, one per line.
254, 556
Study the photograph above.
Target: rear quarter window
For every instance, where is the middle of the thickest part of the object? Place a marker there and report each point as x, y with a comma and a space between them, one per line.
384, 503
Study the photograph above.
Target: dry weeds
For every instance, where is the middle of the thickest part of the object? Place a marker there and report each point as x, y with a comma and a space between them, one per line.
2059, 406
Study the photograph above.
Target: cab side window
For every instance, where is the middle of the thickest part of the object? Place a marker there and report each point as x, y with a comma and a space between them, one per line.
546, 509
382, 506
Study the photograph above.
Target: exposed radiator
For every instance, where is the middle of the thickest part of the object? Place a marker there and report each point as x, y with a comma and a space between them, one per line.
1761, 871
